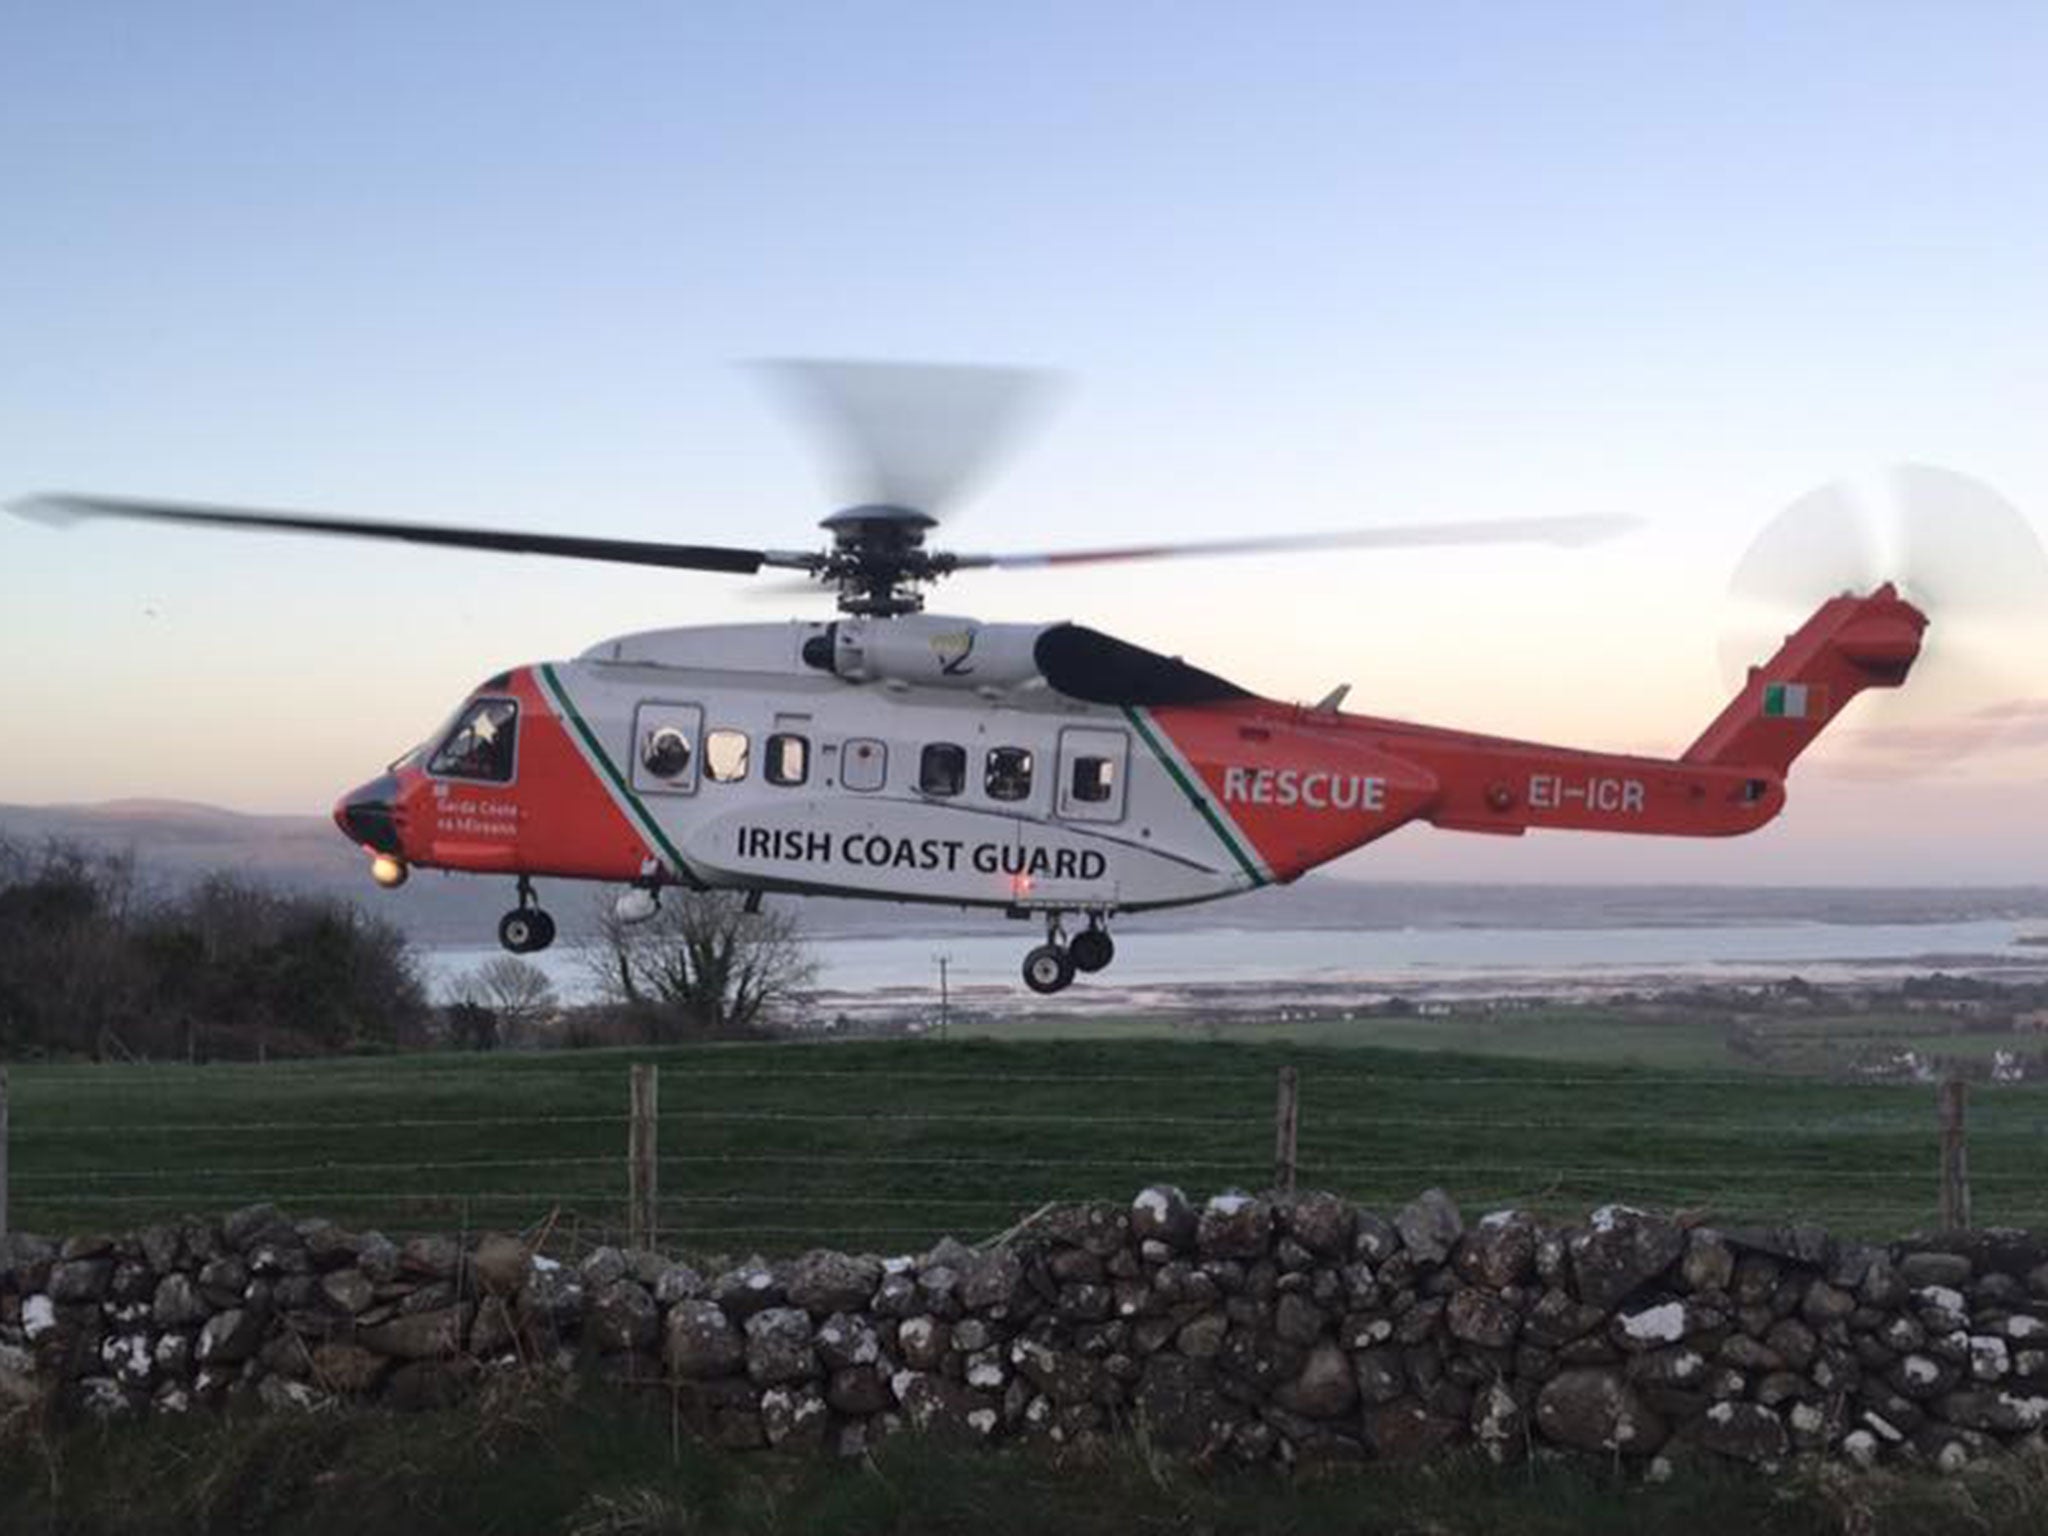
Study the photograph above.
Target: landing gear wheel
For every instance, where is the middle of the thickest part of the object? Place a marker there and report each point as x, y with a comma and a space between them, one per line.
1091, 950
1048, 969
524, 930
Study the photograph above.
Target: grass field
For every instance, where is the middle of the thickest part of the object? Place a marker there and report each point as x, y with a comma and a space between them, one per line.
888, 1145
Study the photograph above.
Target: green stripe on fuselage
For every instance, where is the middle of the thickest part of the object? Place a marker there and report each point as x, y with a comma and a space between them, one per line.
1196, 796
649, 827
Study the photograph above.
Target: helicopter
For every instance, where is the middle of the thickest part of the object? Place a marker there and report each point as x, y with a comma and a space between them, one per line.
1050, 771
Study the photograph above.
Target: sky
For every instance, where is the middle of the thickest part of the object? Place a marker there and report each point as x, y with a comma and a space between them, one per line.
1300, 267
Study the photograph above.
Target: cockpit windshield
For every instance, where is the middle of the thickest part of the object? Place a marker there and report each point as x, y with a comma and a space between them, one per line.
481, 744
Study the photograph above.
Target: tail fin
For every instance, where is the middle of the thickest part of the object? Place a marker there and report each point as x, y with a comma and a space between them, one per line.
1850, 644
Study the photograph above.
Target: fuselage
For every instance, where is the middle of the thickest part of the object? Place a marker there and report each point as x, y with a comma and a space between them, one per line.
929, 759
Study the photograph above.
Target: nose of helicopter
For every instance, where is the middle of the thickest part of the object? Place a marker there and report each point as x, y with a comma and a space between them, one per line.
368, 816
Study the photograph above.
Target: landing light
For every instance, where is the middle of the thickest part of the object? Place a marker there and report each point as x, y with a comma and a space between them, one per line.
388, 872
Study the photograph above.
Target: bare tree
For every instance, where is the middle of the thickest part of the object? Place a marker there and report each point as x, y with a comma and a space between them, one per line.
515, 993
702, 965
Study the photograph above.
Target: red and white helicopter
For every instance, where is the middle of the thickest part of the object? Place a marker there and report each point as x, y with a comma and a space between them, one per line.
1050, 771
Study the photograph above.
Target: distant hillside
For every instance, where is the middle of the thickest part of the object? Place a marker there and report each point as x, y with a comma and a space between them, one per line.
176, 841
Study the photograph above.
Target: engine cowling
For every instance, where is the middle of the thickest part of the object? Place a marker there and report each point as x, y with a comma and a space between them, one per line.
930, 650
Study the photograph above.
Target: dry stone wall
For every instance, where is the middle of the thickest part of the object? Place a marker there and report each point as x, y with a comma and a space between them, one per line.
1245, 1328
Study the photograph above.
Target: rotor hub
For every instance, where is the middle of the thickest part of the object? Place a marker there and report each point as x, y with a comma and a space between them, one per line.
878, 558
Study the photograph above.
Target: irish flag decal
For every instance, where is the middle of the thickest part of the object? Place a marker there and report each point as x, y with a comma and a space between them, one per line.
1790, 701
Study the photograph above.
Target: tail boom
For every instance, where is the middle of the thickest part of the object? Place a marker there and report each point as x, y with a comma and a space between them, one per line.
1850, 644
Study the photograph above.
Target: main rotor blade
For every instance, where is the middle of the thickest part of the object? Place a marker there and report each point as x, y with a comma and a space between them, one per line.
1569, 532
911, 435
61, 509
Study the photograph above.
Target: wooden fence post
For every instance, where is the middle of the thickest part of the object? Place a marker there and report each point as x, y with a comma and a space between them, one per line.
1955, 1156
641, 1158
1286, 1131
3, 1151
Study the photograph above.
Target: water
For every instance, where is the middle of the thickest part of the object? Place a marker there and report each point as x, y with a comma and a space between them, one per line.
1426, 959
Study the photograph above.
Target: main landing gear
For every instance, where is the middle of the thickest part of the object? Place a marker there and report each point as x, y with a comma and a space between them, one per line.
1051, 966
526, 928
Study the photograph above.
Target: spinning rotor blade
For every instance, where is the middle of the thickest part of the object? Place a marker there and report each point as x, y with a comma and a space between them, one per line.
59, 509
913, 435
1954, 547
1569, 532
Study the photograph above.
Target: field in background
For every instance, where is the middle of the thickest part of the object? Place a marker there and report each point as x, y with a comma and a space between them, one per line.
889, 1145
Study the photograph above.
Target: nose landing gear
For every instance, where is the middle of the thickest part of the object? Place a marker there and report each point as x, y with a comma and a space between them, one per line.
1051, 966
526, 928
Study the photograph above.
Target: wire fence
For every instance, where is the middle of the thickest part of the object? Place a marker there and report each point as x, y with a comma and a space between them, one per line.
765, 1150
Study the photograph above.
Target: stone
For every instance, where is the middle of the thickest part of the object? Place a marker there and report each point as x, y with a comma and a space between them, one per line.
2005, 1413
1482, 1317
178, 1304
1499, 1424
794, 1416
846, 1339
1922, 1269
1064, 1376
1557, 1320
347, 1291
622, 1317
1298, 1319
552, 1297
779, 1347
1824, 1303
76, 1280
229, 1338
1747, 1432
748, 1288
1595, 1410
1793, 1342
1430, 1226
501, 1264
420, 1335
678, 1282
1381, 1378
1161, 1214
923, 1342
1319, 1221
1500, 1251
701, 1342
1622, 1250
1324, 1389
241, 1230
1234, 1225
327, 1246
377, 1257
1708, 1263
823, 1283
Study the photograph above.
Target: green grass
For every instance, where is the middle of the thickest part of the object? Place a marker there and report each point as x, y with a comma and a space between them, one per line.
612, 1466
1610, 1036
615, 1467
888, 1145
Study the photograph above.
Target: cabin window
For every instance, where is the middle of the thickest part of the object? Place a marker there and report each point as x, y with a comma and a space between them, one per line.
942, 769
725, 755
481, 745
1094, 779
863, 764
665, 752
786, 759
1008, 776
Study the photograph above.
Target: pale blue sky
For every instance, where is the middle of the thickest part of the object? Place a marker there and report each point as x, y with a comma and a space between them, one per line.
1305, 265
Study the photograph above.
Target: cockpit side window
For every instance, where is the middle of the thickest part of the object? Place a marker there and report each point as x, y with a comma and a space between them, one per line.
482, 744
